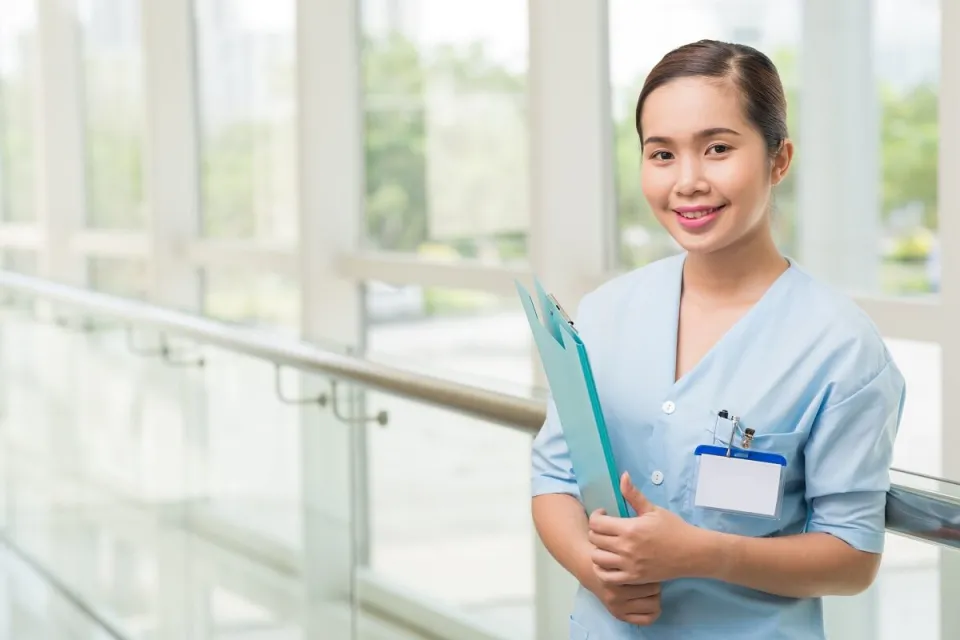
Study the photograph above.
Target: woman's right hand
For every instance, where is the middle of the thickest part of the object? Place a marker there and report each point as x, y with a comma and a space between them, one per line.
634, 603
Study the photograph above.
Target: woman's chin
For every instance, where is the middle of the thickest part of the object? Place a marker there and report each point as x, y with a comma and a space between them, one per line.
700, 243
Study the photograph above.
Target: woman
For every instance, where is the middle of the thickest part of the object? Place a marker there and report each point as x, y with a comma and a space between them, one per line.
729, 327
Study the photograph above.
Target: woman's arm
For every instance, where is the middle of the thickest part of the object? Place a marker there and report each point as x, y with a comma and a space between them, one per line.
562, 525
806, 565
659, 545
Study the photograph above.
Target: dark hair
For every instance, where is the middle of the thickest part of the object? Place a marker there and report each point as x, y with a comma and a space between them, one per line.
753, 73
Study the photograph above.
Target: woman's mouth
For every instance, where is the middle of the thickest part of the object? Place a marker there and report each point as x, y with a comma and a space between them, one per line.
696, 217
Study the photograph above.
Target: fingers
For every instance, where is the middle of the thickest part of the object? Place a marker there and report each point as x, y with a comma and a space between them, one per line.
603, 541
641, 619
639, 591
613, 577
633, 496
641, 611
602, 523
606, 560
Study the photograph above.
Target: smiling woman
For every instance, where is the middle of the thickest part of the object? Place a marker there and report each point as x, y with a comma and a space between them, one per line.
743, 94
808, 421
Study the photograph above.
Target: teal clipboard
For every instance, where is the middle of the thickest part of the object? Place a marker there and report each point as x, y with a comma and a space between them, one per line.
574, 392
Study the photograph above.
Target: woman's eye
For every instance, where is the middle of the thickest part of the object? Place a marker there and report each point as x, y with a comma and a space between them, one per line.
662, 155
720, 148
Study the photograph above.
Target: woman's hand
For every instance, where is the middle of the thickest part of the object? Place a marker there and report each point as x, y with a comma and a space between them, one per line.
654, 546
634, 603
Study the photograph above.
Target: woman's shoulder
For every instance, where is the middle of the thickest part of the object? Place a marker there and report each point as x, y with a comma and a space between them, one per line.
650, 280
840, 332
826, 305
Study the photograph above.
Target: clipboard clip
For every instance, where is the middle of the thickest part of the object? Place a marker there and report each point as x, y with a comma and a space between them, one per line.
563, 314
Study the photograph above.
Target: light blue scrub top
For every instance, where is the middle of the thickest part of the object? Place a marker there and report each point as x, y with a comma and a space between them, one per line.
805, 368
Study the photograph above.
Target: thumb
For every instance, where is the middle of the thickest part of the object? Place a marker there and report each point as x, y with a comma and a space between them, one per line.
633, 496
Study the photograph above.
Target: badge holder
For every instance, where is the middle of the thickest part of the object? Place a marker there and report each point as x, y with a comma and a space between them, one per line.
738, 480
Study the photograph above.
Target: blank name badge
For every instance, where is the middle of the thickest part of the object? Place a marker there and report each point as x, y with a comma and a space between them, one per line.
739, 481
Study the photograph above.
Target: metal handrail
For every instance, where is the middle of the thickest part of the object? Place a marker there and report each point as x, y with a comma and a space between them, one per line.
924, 515
512, 411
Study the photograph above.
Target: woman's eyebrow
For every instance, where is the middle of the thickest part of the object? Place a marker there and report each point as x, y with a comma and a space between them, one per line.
705, 133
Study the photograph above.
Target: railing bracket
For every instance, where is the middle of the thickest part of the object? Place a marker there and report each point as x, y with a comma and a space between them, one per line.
278, 387
163, 351
381, 418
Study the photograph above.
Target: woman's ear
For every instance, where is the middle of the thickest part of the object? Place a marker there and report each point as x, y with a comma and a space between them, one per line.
781, 162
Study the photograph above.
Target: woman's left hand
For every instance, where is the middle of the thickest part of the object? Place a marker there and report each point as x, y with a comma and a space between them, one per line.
654, 546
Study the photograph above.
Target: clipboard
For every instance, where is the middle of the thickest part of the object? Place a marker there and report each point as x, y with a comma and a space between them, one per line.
574, 392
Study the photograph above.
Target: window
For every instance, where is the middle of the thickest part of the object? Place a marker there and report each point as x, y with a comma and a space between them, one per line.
252, 297
17, 76
907, 68
246, 51
119, 276
477, 338
445, 125
114, 112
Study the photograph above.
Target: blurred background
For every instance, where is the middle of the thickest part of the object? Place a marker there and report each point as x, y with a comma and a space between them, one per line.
370, 176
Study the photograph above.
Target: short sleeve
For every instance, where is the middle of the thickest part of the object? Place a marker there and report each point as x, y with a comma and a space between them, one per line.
848, 457
552, 468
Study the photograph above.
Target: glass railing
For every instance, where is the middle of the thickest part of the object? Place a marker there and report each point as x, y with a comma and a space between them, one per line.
183, 490
188, 479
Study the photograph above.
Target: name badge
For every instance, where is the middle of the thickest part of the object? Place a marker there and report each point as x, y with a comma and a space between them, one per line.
739, 480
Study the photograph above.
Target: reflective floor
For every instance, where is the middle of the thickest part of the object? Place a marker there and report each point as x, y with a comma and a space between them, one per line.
32, 609
143, 575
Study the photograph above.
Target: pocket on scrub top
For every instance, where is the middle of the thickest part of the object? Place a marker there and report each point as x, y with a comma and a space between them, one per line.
577, 632
788, 445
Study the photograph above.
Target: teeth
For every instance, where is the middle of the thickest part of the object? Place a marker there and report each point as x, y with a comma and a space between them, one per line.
693, 215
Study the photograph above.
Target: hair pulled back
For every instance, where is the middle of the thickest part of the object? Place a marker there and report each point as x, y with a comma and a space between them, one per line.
751, 71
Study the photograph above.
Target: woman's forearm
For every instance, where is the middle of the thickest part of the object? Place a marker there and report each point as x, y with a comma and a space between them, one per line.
807, 565
562, 525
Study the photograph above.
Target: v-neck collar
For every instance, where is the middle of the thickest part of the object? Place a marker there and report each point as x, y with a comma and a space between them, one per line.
738, 327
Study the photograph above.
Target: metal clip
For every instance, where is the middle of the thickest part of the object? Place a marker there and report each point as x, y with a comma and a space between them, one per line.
733, 432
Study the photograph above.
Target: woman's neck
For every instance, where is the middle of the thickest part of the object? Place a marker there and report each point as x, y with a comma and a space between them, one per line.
741, 272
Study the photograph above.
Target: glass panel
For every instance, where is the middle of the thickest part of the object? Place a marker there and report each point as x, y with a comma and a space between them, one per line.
445, 125
252, 297
20, 260
917, 446
114, 110
903, 602
909, 591
467, 507
249, 451
776, 31
246, 53
478, 338
166, 498
30, 607
18, 69
119, 276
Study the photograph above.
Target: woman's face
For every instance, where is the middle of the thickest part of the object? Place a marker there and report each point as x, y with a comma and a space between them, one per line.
706, 171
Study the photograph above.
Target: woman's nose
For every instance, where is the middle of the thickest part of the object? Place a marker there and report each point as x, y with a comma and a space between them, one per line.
690, 177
